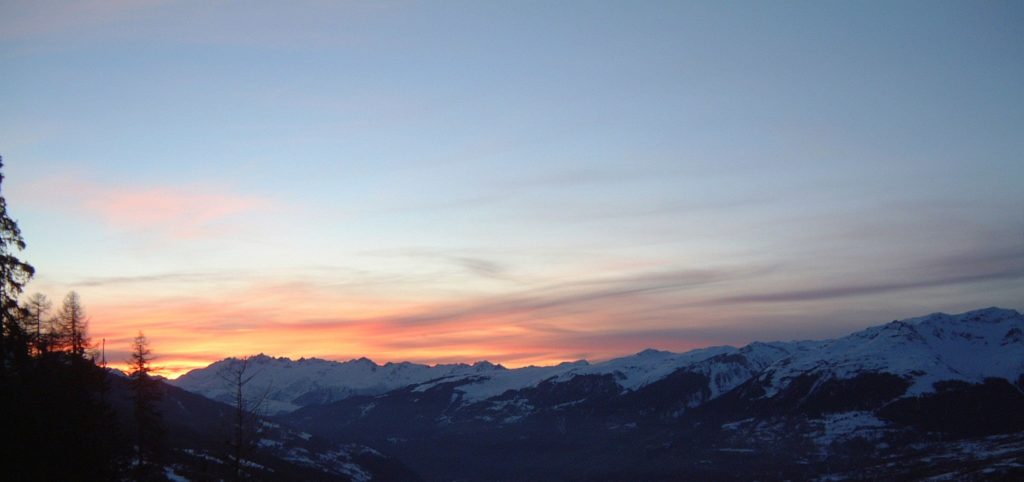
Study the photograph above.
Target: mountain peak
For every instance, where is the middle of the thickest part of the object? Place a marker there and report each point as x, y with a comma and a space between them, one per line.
577, 363
262, 358
486, 365
652, 352
363, 361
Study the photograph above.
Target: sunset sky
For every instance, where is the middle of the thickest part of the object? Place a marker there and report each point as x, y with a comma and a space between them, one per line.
523, 182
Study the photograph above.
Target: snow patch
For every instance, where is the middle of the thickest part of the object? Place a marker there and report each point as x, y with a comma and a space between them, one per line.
173, 476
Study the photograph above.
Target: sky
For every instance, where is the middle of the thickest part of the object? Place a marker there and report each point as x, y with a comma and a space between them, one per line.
523, 182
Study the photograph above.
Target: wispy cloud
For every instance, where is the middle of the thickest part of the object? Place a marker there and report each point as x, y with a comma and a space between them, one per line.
591, 295
160, 278
40, 18
476, 264
597, 317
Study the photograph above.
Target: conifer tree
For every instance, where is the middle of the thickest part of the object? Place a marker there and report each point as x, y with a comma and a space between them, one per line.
14, 274
145, 396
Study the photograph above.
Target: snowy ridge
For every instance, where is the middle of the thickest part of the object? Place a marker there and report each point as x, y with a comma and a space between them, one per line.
648, 366
630, 372
969, 347
290, 384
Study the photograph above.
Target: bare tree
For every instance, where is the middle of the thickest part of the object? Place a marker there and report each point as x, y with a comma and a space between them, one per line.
38, 305
247, 415
73, 325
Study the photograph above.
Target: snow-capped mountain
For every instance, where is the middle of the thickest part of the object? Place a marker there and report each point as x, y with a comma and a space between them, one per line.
968, 347
289, 384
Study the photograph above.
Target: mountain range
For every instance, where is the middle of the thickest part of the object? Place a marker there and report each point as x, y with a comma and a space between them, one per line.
938, 395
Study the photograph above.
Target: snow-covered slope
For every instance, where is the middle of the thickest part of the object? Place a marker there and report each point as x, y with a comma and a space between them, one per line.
969, 347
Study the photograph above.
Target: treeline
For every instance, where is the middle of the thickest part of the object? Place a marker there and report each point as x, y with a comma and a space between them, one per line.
55, 402
39, 333
56, 419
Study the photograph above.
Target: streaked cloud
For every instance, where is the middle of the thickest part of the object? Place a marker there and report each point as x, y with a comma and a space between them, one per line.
195, 277
971, 268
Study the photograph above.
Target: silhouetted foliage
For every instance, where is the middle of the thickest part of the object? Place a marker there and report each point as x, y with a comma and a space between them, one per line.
64, 428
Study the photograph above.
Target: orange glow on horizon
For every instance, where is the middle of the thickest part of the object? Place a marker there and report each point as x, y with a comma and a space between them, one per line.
187, 336
173, 368
207, 323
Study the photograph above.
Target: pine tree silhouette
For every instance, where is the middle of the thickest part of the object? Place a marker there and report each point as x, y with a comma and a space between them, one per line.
14, 273
146, 393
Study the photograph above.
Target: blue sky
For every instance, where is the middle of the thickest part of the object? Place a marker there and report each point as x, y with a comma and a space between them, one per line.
525, 181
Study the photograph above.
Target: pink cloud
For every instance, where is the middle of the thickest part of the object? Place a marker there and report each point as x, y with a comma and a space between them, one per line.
181, 212
176, 211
